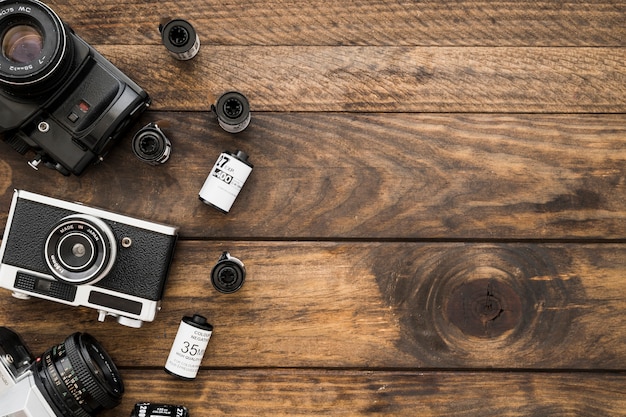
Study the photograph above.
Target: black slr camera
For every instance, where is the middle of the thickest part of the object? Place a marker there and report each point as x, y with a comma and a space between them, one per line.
76, 378
84, 256
58, 96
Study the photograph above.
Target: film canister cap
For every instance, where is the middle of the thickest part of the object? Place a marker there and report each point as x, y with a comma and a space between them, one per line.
228, 275
180, 39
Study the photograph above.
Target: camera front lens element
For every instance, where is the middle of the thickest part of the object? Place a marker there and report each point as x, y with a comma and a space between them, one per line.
36, 52
22, 44
80, 249
76, 251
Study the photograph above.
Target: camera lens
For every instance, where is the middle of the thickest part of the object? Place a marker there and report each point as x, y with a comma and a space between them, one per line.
22, 44
36, 52
80, 249
76, 251
78, 377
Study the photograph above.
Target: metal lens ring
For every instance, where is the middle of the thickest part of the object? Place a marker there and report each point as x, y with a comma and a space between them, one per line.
80, 249
33, 42
79, 377
228, 275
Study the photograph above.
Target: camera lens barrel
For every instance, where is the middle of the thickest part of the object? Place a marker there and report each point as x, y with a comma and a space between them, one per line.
79, 378
151, 145
233, 112
180, 39
36, 52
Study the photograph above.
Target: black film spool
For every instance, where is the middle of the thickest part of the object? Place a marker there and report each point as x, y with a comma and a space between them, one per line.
180, 39
233, 112
228, 274
151, 145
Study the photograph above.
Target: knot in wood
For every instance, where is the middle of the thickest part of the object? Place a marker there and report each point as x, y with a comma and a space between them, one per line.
484, 308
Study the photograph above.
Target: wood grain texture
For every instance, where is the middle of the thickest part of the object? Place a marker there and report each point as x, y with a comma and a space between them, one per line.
362, 393
384, 79
377, 305
435, 224
383, 176
383, 23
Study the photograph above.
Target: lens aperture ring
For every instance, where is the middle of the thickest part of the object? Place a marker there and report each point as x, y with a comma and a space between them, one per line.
96, 396
59, 382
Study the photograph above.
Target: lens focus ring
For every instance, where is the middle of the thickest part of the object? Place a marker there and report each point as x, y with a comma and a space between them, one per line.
78, 378
86, 370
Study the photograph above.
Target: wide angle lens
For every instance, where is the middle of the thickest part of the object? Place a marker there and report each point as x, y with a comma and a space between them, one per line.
22, 44
78, 377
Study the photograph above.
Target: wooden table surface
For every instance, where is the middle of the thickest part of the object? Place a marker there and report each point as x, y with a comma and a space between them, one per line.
435, 224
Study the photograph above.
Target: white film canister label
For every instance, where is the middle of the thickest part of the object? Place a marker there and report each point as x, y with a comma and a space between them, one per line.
189, 346
225, 181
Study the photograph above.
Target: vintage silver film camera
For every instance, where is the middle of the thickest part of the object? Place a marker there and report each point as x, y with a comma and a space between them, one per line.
76, 378
83, 256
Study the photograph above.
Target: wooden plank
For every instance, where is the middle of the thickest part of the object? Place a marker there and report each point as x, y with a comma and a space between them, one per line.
368, 176
322, 22
375, 305
384, 79
356, 393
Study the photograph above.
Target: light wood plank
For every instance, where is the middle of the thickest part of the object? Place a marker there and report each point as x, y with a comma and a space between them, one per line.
323, 22
384, 79
369, 176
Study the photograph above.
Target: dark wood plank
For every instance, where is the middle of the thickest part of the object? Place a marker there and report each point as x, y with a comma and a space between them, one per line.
356, 393
409, 23
369, 176
369, 305
384, 79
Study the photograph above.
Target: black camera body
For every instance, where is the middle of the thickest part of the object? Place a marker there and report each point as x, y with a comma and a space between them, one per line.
74, 378
84, 256
58, 96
